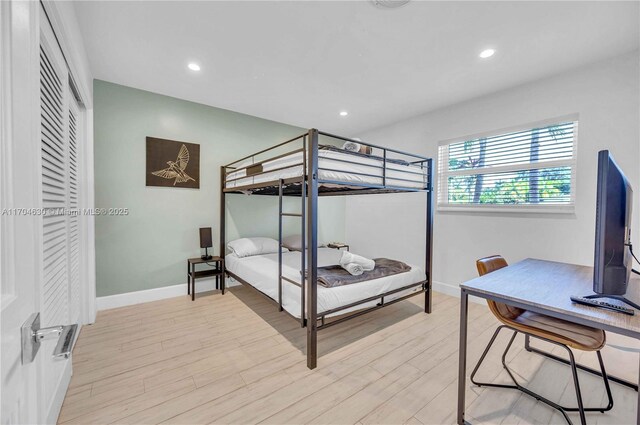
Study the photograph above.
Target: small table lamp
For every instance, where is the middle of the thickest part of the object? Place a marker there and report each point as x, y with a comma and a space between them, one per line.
205, 242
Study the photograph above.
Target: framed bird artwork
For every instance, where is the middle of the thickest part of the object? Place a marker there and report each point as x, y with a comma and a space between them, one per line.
173, 164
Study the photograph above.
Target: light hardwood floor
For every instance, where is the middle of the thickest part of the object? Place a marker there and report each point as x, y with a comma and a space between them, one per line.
235, 359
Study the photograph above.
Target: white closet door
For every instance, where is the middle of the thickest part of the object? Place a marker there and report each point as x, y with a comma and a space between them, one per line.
55, 184
20, 236
59, 232
40, 137
74, 219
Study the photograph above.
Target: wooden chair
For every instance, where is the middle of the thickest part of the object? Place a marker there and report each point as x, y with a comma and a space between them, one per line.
555, 331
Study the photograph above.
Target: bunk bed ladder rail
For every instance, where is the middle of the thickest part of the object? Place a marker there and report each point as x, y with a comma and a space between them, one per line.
302, 284
280, 188
303, 236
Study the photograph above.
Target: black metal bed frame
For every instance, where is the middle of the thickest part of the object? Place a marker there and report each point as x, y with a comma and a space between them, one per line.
308, 186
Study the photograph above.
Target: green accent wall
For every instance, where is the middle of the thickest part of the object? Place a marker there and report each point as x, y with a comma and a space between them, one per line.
148, 247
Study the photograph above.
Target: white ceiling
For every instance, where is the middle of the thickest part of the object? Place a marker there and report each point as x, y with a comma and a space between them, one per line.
303, 62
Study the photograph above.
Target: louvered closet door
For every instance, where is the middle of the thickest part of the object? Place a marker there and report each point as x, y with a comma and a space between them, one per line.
59, 166
55, 185
74, 230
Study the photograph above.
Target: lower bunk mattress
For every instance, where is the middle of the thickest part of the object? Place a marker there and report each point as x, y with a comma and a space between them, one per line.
261, 271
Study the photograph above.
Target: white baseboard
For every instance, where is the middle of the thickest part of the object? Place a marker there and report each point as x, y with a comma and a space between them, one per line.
454, 291
155, 294
445, 288
203, 285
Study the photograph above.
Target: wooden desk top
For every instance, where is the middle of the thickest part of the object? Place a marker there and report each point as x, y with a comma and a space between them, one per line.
545, 287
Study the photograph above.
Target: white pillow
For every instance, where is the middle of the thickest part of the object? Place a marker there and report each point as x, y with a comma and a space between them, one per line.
293, 242
246, 247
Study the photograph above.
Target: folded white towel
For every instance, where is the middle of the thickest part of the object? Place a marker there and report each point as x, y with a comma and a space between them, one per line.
353, 268
347, 258
351, 146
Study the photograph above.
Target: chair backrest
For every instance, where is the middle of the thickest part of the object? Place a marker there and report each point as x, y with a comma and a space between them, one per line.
504, 313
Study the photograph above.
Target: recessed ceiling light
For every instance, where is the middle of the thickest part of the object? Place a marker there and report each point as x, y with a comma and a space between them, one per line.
194, 66
487, 53
390, 4
343, 113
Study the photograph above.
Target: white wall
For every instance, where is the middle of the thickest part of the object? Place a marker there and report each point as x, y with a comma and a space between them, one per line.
606, 96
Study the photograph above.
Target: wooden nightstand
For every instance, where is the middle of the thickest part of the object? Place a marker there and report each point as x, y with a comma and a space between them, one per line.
338, 245
217, 270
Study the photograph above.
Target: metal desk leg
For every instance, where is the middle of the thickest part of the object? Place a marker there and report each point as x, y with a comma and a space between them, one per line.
188, 279
462, 364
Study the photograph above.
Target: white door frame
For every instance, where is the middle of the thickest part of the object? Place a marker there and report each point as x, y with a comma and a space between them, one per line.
65, 26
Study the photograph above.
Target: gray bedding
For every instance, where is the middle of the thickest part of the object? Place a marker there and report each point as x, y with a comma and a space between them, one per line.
333, 276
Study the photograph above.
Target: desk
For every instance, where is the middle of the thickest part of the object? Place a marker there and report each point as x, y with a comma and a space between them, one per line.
543, 287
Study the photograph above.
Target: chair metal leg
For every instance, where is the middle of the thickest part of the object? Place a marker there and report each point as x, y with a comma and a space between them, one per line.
482, 357
571, 362
606, 386
531, 349
605, 378
504, 357
574, 371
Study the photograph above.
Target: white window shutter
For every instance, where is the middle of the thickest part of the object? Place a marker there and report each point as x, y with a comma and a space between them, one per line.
527, 169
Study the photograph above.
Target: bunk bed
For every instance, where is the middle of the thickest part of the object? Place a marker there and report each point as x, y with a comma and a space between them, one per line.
317, 164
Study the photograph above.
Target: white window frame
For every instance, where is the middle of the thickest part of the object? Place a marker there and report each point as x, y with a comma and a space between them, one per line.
444, 174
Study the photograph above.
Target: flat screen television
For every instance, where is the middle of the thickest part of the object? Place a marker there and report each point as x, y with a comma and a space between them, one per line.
613, 261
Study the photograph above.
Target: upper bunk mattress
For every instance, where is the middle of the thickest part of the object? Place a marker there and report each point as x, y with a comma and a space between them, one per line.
261, 271
360, 169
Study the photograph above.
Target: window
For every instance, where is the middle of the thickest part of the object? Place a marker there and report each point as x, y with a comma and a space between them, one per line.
528, 170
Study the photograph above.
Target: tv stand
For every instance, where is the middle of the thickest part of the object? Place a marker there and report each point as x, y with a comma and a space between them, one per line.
614, 297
